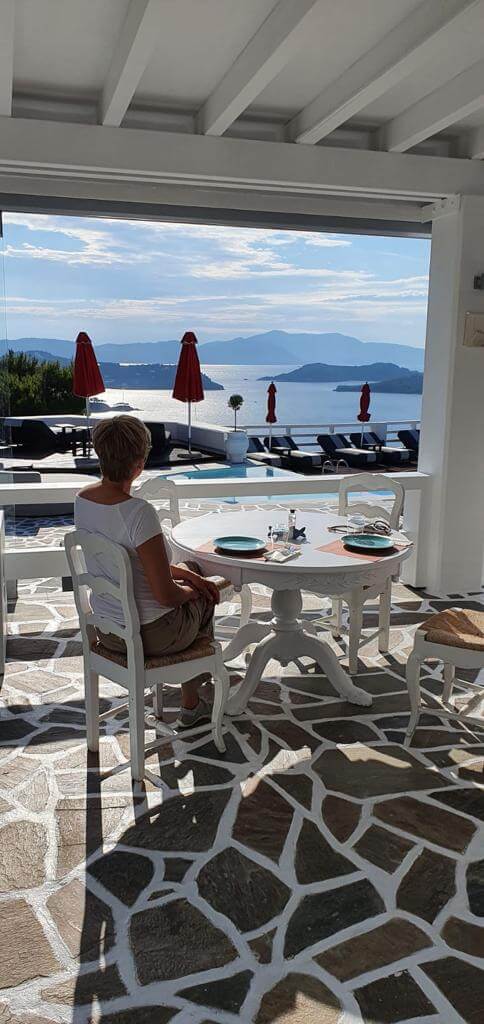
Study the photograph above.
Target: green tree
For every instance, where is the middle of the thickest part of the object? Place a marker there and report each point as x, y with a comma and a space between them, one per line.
30, 387
235, 403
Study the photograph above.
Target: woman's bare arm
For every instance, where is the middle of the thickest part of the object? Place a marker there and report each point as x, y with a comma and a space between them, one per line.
157, 570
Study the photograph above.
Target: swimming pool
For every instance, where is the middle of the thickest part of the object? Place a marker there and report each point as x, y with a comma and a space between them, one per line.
246, 471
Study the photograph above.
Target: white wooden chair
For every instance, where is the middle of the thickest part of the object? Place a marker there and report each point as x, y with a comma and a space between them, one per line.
133, 671
356, 599
162, 489
456, 638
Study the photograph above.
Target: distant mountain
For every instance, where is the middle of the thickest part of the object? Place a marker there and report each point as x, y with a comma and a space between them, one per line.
150, 376
271, 347
312, 373
48, 357
410, 384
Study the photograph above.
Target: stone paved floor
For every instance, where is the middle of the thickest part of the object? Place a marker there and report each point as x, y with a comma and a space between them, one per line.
317, 872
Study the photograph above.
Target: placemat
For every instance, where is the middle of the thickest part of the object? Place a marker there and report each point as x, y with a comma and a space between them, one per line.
336, 547
211, 550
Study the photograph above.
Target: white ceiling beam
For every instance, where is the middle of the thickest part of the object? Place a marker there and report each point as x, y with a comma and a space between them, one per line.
454, 101
426, 33
279, 37
139, 158
134, 48
7, 30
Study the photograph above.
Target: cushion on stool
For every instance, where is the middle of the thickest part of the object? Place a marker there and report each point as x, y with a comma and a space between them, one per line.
202, 647
456, 627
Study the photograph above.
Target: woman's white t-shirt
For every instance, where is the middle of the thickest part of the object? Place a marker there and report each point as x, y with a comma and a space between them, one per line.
129, 523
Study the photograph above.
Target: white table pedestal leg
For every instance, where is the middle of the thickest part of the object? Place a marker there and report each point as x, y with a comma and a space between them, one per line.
286, 642
252, 633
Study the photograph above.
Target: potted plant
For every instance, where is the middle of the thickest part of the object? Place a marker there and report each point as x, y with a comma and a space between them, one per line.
237, 442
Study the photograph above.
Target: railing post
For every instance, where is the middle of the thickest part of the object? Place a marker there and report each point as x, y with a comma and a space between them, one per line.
415, 525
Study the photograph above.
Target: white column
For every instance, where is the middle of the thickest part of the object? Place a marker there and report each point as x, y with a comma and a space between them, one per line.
452, 436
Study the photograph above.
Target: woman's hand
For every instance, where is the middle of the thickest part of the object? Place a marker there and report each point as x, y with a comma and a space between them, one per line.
207, 587
203, 586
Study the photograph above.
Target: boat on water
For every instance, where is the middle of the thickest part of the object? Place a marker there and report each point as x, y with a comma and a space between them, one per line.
97, 405
121, 407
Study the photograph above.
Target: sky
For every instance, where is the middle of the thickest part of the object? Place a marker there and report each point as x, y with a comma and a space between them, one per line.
127, 281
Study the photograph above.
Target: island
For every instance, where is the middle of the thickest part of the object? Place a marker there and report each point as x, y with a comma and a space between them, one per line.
147, 376
411, 384
316, 373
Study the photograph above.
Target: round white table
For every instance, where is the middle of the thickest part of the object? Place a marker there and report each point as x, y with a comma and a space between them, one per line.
324, 573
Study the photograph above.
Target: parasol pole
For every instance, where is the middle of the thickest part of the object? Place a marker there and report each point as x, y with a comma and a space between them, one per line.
88, 425
189, 428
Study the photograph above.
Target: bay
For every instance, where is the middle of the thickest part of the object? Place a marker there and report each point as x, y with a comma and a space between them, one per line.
297, 403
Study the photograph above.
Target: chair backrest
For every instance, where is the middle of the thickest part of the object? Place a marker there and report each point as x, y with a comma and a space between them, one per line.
290, 443
368, 439
327, 442
161, 488
410, 438
361, 482
118, 583
255, 445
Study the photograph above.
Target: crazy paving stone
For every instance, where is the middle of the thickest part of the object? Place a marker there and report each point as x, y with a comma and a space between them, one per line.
84, 922
346, 732
383, 848
137, 1015
30, 648
174, 940
14, 729
326, 913
23, 845
244, 891
468, 801
123, 874
299, 999
424, 739
291, 735
315, 859
427, 822
475, 887
298, 786
342, 709
263, 819
7, 1017
392, 999
182, 823
427, 886
250, 733
55, 740
463, 935
340, 816
30, 955
224, 994
4, 806
35, 794
99, 985
371, 950
455, 756
194, 772
82, 827
232, 754
461, 983
176, 869
472, 771
15, 771
262, 947
362, 771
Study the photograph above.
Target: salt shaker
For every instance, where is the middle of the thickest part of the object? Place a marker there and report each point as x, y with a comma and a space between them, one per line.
291, 523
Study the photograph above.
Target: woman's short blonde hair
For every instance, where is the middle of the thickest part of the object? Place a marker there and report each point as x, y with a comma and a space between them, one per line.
121, 443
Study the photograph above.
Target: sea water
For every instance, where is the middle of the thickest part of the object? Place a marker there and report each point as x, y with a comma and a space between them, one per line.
296, 402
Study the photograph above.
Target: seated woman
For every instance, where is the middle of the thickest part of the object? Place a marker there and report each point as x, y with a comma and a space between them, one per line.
175, 604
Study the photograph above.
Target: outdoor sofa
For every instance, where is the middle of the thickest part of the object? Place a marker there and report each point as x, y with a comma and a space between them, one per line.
160, 444
292, 457
38, 436
386, 454
337, 446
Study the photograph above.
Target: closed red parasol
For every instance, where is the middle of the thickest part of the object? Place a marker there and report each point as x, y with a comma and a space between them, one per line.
271, 409
188, 381
87, 377
364, 415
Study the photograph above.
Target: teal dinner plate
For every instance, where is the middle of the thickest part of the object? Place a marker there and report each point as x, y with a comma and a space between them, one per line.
368, 543
239, 545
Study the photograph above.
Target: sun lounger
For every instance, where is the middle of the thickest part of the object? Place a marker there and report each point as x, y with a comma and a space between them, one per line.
387, 455
411, 440
336, 446
258, 452
292, 457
